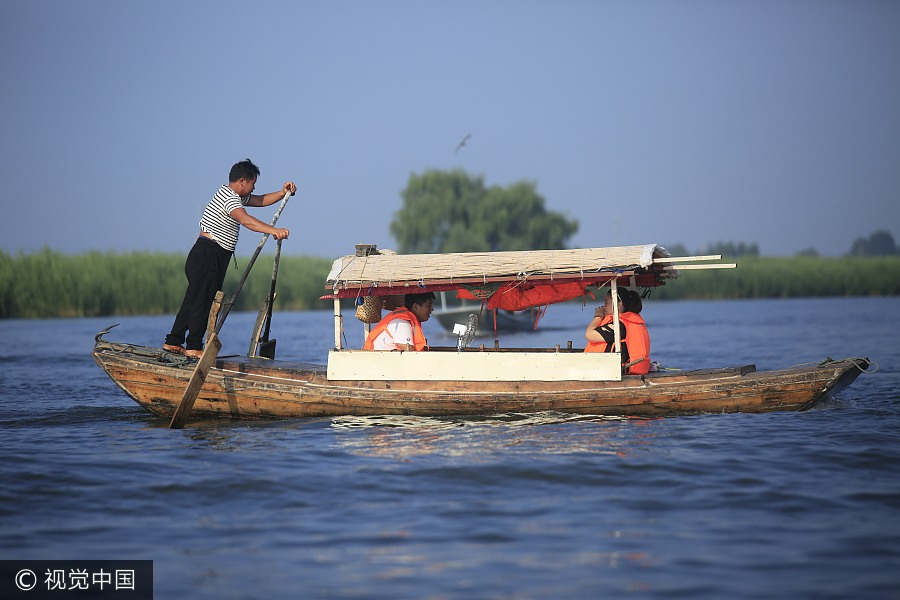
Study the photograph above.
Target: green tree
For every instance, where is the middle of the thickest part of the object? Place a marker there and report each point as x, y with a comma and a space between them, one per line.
880, 243
733, 250
452, 211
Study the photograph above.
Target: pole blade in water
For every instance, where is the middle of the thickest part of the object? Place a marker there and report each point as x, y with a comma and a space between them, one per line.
267, 349
198, 377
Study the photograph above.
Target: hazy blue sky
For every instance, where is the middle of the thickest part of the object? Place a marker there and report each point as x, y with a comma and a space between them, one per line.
773, 122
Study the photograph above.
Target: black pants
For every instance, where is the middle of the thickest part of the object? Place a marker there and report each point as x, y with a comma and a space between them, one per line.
205, 269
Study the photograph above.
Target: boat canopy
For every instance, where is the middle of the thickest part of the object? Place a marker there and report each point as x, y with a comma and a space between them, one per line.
506, 280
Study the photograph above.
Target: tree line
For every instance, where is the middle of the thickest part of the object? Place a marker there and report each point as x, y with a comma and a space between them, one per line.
878, 243
454, 211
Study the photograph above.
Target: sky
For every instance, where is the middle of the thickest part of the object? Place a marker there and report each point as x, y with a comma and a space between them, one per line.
768, 122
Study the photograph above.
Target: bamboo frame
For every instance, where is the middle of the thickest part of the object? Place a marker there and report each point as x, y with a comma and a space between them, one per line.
673, 259
346, 289
613, 286
338, 325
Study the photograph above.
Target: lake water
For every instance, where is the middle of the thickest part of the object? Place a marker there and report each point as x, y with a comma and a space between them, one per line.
509, 506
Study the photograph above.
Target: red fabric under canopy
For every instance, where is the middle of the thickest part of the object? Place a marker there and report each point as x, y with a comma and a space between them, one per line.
519, 296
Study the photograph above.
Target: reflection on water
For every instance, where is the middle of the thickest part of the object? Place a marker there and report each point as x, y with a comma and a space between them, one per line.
403, 436
450, 422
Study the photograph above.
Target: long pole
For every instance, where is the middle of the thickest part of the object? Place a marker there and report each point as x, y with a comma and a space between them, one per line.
265, 336
267, 346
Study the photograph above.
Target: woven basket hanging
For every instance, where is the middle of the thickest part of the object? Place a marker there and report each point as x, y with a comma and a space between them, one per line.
370, 310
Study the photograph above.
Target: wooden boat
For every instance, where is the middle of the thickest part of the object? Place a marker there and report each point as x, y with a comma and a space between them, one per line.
450, 381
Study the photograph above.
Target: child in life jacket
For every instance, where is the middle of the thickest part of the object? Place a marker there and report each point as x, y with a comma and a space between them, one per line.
633, 336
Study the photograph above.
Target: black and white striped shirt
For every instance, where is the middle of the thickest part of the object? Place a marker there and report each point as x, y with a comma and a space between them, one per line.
216, 220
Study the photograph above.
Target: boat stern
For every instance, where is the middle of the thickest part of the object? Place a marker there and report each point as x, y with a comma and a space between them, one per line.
845, 372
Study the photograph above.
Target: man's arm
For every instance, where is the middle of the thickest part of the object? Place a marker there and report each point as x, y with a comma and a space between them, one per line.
403, 336
591, 334
252, 223
272, 197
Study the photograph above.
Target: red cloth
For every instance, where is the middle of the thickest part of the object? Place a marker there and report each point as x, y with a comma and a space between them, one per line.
522, 296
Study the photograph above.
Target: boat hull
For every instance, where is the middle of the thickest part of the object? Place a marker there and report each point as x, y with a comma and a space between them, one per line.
252, 388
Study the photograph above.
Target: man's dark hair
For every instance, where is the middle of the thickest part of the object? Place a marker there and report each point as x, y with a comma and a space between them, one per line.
410, 299
243, 170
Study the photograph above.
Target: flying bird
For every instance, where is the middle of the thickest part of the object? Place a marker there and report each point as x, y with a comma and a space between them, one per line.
462, 142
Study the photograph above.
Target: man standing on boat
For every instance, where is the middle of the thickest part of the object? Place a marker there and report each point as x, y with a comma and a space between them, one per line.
207, 261
401, 329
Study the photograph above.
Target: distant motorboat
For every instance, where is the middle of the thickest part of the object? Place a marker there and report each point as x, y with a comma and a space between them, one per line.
507, 320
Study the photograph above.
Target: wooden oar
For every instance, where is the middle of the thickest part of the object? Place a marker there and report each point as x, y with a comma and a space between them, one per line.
257, 330
267, 346
213, 345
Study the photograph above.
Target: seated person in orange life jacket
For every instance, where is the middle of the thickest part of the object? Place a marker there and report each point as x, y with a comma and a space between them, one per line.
633, 335
401, 329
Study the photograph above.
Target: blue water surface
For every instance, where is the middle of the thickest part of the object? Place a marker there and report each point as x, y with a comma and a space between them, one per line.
504, 506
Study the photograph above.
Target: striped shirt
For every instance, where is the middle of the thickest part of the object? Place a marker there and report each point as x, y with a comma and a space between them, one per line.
216, 220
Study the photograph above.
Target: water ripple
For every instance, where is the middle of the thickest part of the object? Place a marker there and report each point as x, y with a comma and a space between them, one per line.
544, 505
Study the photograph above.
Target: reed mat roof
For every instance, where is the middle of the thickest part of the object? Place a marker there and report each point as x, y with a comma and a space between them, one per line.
398, 269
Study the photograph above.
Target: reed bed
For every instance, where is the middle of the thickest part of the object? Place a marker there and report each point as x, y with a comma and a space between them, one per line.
48, 283
789, 277
52, 284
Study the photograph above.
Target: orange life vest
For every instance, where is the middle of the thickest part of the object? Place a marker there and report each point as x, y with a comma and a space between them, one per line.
636, 338
419, 341
599, 346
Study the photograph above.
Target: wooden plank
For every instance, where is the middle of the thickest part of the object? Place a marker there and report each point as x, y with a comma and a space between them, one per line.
363, 365
674, 259
257, 329
474, 281
605, 275
207, 360
214, 314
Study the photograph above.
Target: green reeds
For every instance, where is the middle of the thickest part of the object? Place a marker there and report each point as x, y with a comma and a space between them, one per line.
52, 284
789, 277
48, 283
